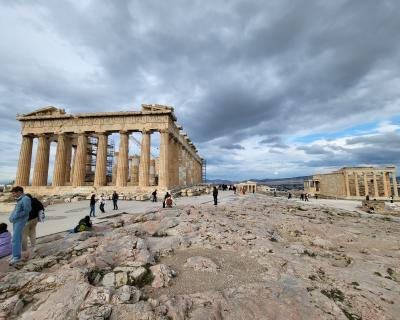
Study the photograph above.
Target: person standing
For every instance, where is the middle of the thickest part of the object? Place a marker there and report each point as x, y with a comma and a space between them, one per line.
115, 200
102, 203
215, 195
19, 217
167, 195
30, 227
154, 194
92, 206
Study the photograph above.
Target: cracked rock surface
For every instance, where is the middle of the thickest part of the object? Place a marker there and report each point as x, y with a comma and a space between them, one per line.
255, 257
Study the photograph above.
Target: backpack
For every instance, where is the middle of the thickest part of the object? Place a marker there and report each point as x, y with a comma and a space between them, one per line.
41, 216
168, 202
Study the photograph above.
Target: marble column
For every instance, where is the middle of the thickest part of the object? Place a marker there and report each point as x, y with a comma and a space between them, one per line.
115, 168
144, 166
40, 172
24, 162
60, 161
123, 160
152, 174
395, 190
366, 184
376, 191
346, 184
187, 167
100, 176
135, 170
385, 184
80, 161
163, 176
71, 178
68, 160
356, 184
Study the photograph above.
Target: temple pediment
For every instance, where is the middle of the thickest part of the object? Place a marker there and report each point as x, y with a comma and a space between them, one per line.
47, 111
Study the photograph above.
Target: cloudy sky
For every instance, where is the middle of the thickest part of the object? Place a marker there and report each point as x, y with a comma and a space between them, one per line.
264, 88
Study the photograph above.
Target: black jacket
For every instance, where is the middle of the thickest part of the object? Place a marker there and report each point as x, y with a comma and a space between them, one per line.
36, 207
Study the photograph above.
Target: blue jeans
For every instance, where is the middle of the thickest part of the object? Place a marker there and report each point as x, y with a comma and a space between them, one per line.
18, 228
92, 209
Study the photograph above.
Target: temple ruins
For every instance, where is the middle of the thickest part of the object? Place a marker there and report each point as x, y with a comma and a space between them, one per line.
85, 160
355, 183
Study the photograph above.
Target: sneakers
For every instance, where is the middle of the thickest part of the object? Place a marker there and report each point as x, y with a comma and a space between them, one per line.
14, 260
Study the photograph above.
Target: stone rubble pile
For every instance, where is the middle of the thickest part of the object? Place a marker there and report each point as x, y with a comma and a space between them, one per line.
257, 258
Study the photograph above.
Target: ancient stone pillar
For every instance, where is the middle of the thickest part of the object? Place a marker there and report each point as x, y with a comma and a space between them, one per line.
60, 161
71, 179
346, 184
80, 161
366, 184
385, 183
67, 177
144, 169
40, 172
24, 162
123, 160
376, 191
187, 167
395, 190
163, 176
356, 184
182, 169
152, 175
100, 176
135, 170
115, 167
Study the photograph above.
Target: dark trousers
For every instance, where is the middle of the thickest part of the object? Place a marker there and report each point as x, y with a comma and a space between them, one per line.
115, 204
215, 200
102, 207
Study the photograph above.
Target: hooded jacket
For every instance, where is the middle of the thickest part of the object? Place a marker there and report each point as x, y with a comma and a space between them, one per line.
5, 244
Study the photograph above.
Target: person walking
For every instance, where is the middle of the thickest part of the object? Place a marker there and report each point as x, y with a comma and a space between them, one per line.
30, 227
5, 241
102, 203
167, 195
154, 194
215, 195
92, 206
19, 217
115, 200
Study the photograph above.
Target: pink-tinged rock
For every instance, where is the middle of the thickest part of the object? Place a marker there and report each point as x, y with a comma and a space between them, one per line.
201, 264
162, 275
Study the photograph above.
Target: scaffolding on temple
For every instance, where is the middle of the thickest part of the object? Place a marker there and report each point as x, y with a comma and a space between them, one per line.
203, 171
92, 157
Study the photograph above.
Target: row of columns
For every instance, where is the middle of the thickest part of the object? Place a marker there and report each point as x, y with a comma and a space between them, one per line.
172, 156
386, 184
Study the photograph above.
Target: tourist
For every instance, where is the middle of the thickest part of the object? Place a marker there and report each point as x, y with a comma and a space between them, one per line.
5, 241
84, 225
102, 203
306, 197
302, 197
92, 206
18, 217
289, 195
316, 196
30, 227
154, 195
367, 197
115, 200
274, 193
215, 195
169, 202
391, 198
167, 195
234, 189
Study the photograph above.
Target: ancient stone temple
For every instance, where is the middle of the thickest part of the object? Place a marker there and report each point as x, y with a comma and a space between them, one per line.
355, 183
85, 160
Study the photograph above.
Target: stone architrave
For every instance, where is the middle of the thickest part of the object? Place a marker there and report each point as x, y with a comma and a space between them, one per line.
80, 161
24, 162
60, 162
41, 169
144, 167
100, 177
163, 175
123, 160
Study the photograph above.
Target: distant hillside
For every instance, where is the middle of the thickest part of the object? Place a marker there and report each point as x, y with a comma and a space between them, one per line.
293, 180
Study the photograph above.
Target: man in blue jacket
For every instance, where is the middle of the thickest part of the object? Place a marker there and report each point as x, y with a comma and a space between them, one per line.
18, 218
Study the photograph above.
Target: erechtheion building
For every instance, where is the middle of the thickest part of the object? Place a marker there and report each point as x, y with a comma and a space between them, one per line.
355, 183
85, 160
248, 186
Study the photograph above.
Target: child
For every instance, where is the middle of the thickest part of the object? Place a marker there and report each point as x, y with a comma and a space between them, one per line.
5, 241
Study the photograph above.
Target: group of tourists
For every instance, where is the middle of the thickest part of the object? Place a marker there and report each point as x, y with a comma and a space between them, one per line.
24, 218
102, 203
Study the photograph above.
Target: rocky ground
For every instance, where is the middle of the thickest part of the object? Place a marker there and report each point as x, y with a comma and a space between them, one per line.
257, 258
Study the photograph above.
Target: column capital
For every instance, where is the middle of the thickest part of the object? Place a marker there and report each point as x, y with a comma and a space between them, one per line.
163, 131
102, 133
123, 132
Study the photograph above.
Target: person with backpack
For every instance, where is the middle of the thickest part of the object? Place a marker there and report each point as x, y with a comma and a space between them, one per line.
19, 217
92, 205
84, 225
30, 227
115, 200
167, 195
102, 203
5, 241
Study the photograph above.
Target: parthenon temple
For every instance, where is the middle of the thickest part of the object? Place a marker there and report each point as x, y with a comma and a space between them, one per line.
355, 183
85, 159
